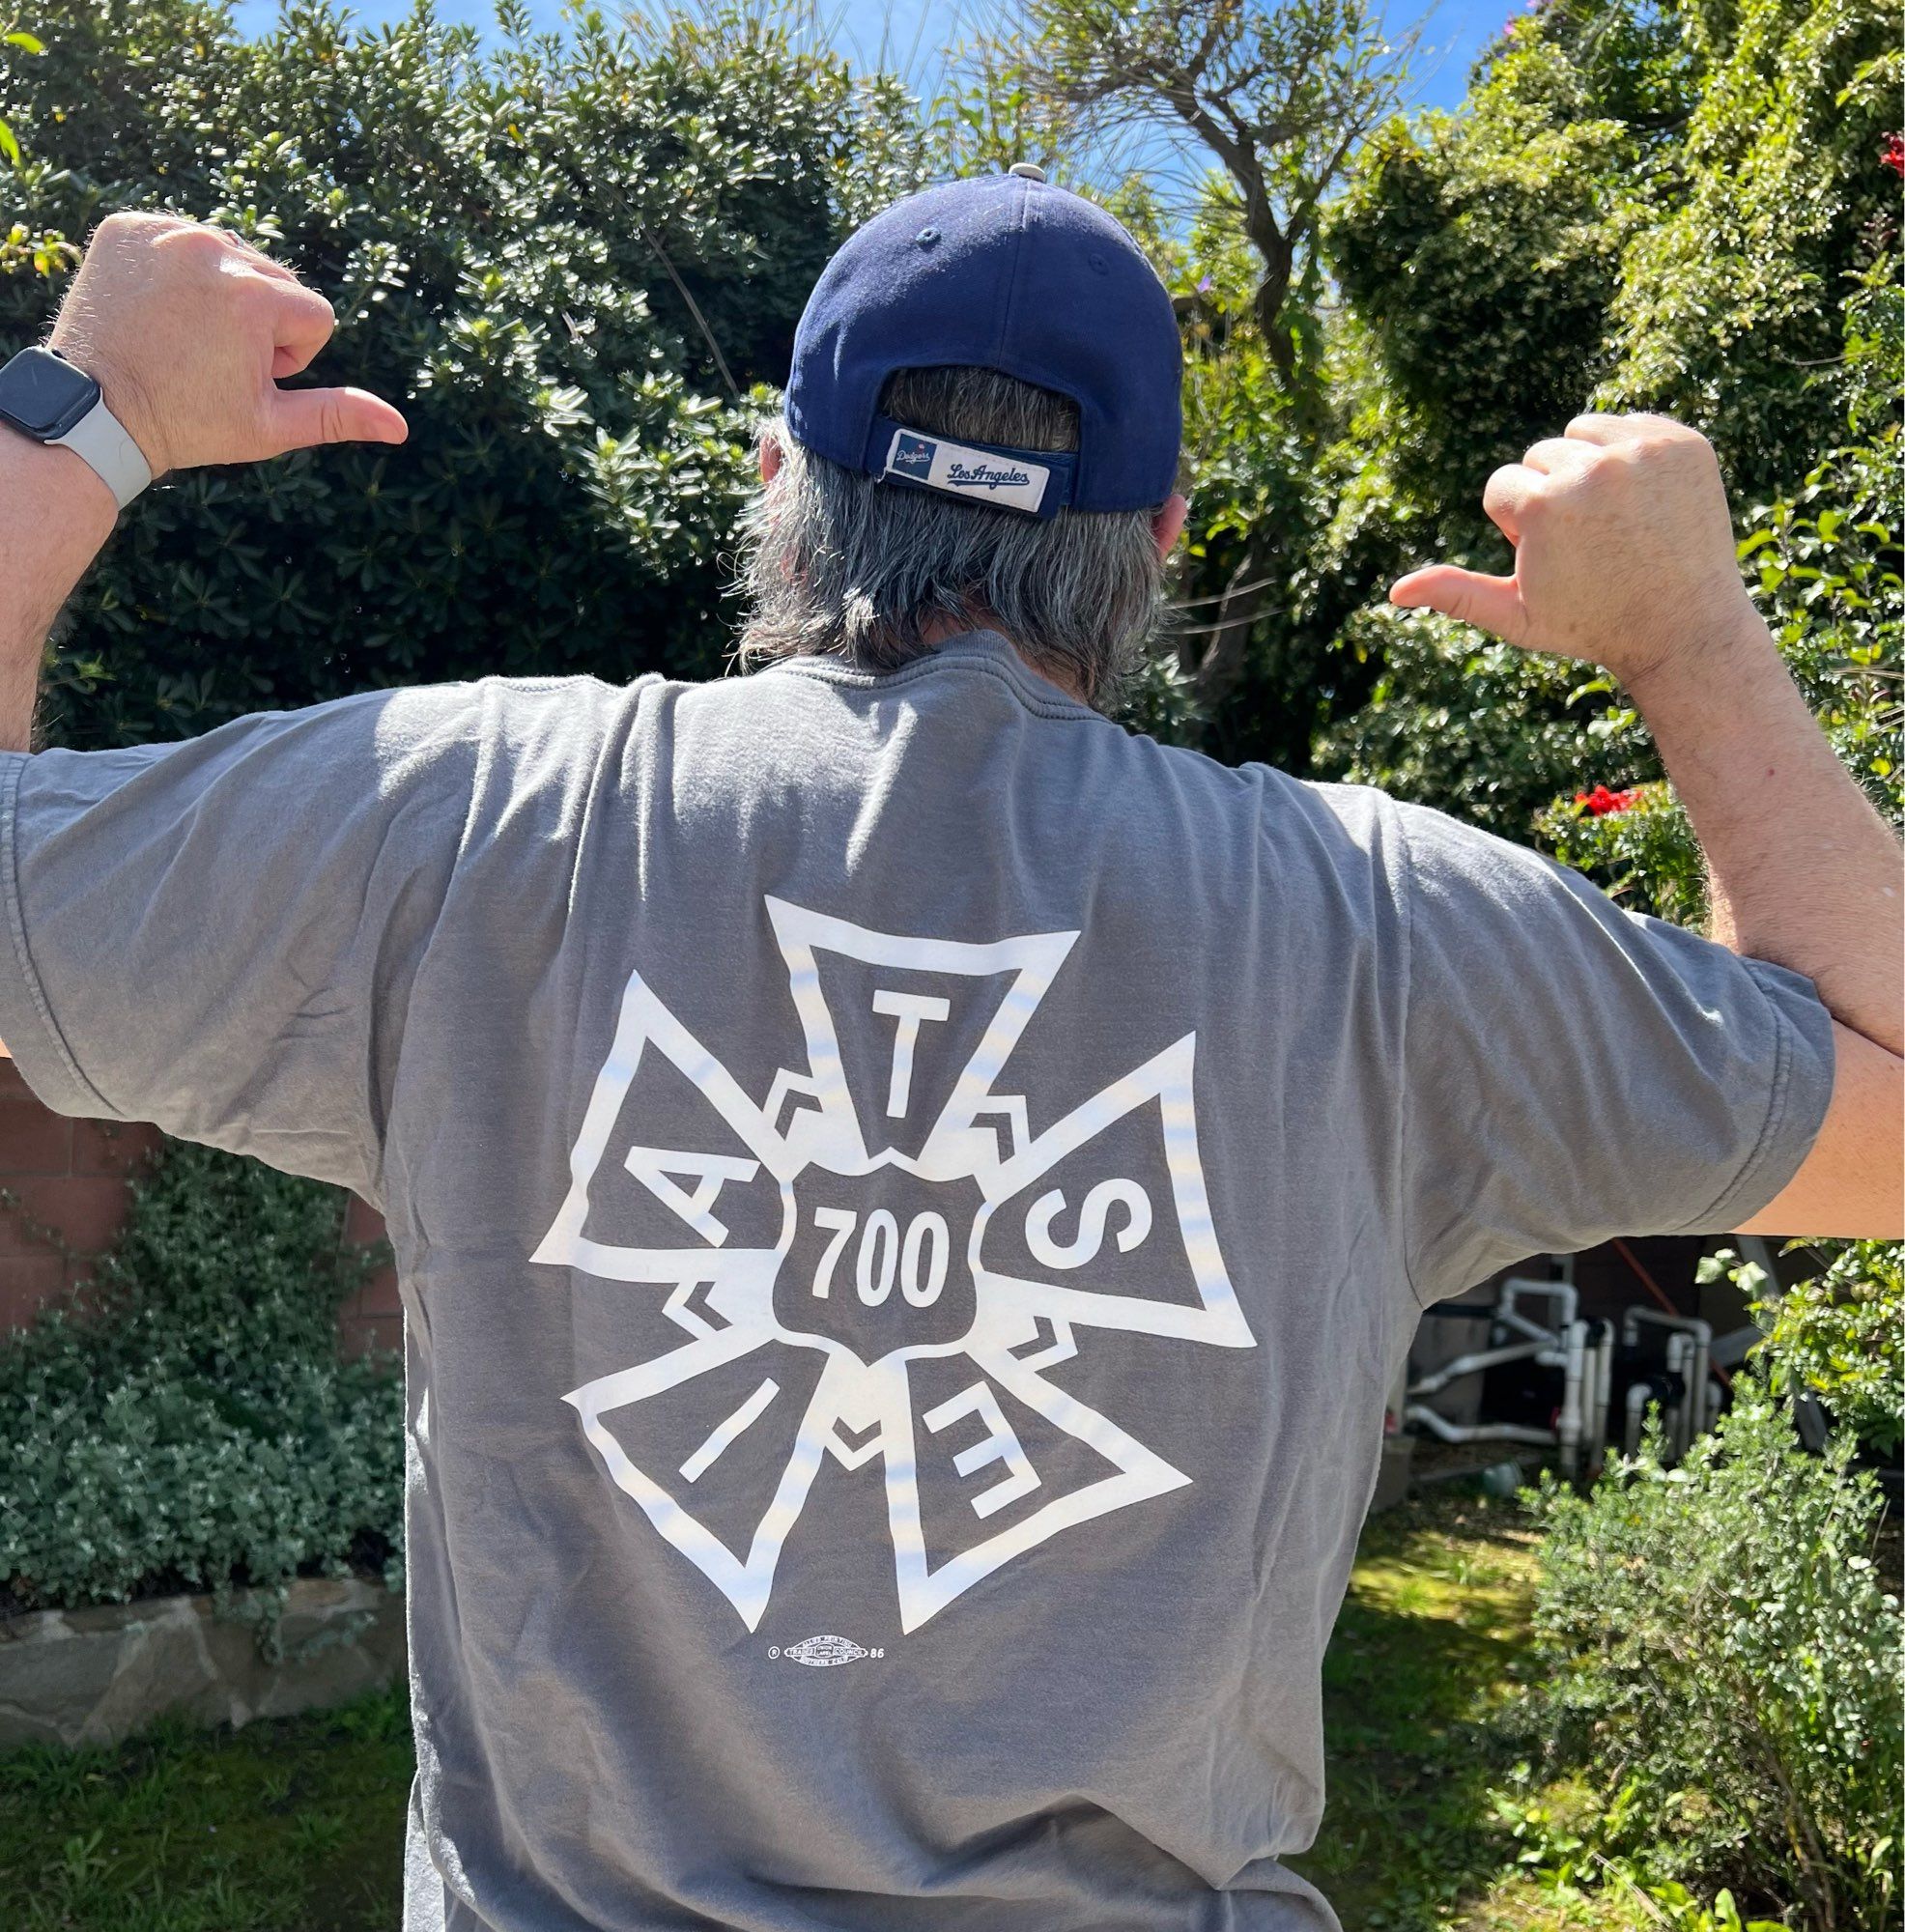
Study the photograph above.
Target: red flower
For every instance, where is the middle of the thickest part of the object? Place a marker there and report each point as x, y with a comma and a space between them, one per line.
1892, 153
1601, 800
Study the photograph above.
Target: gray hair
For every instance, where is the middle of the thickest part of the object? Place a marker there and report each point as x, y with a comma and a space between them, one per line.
836, 562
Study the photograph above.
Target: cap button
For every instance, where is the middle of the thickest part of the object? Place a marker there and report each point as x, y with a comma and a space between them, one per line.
1027, 171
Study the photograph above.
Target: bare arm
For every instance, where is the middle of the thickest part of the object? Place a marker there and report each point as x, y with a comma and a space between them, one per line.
1814, 884
54, 516
1624, 557
1800, 868
187, 331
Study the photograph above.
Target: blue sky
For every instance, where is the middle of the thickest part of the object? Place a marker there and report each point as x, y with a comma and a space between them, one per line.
1455, 29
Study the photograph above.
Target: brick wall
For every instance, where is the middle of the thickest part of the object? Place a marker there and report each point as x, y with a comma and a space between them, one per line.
63, 1197
373, 1317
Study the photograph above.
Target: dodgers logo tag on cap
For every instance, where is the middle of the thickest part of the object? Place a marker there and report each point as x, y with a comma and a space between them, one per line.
963, 471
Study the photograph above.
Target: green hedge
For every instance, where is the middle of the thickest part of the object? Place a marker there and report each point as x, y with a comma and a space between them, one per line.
1724, 1660
568, 262
200, 1431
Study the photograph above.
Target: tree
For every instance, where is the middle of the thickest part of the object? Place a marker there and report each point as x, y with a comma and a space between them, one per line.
1273, 100
1277, 97
1673, 207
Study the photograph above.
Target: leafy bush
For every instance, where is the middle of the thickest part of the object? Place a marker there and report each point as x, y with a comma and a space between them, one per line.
1838, 1335
200, 1431
1636, 841
1681, 206
1724, 1657
568, 260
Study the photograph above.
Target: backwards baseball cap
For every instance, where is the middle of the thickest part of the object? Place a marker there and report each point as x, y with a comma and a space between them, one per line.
1006, 272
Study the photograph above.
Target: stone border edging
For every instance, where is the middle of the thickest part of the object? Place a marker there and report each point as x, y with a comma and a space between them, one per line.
96, 1675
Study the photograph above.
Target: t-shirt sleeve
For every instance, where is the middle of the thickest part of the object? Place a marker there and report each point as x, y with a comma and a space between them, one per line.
1573, 1070
220, 935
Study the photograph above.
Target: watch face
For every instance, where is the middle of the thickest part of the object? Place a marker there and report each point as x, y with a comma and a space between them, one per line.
44, 394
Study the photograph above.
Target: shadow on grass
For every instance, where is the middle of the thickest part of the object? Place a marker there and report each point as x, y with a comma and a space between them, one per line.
290, 1825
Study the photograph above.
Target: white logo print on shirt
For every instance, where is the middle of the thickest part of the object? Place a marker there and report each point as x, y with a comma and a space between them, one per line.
920, 1266
819, 1653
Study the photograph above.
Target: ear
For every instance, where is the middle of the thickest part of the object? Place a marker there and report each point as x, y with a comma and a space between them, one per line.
770, 458
1168, 525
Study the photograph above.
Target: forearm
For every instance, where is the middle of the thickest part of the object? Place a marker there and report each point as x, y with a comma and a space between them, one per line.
1803, 870
54, 516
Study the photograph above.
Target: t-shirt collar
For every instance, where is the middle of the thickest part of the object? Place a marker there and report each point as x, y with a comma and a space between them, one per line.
982, 646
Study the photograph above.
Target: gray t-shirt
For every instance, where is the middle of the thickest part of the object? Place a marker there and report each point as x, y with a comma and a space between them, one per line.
908, 1201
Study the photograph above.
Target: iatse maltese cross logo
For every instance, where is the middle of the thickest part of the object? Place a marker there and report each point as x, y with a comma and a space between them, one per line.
889, 1257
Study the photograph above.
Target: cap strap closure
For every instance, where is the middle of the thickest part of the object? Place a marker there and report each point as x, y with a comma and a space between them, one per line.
1035, 481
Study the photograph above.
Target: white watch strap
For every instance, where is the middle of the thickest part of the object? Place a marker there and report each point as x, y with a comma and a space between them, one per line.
98, 438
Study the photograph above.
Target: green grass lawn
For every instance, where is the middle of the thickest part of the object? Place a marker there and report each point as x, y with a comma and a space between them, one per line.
1420, 1688
289, 1826
298, 1823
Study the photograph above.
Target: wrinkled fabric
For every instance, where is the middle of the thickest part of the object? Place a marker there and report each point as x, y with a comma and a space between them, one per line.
909, 1201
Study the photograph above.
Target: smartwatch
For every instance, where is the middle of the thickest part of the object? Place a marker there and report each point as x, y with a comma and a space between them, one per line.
45, 396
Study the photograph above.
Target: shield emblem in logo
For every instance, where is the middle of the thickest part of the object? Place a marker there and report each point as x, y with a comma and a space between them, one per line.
818, 1652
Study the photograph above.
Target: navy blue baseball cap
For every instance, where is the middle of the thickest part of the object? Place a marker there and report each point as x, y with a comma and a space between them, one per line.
1006, 272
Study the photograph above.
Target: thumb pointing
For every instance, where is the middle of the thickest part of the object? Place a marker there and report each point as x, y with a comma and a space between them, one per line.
303, 417
1494, 603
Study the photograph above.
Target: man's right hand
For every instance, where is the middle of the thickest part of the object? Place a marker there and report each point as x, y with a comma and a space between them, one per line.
188, 331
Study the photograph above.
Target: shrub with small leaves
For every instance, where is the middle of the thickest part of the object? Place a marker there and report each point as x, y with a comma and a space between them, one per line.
1839, 1335
199, 1430
1723, 1656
